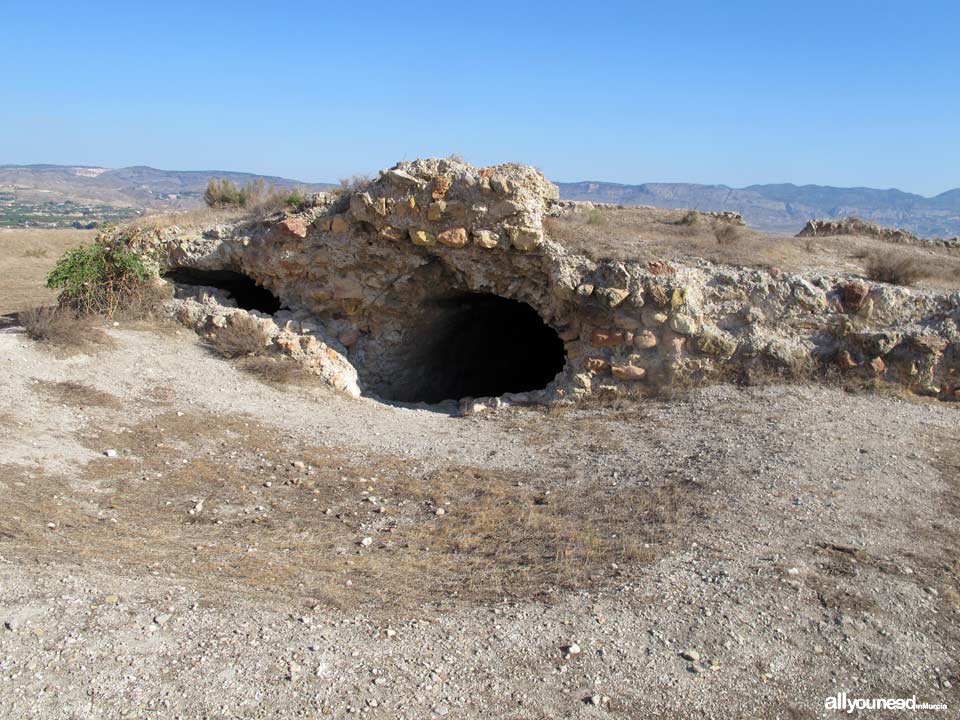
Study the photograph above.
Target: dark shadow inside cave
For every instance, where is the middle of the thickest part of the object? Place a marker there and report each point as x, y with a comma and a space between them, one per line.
242, 288
477, 345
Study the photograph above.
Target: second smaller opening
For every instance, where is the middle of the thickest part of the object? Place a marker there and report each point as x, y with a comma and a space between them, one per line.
242, 288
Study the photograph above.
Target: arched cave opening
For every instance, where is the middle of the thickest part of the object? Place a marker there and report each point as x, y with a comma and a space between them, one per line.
476, 345
242, 288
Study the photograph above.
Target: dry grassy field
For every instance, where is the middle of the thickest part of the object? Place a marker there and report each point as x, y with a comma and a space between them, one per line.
26, 256
656, 234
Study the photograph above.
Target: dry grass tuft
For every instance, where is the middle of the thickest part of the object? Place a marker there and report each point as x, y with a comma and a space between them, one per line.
650, 234
61, 329
279, 371
75, 394
896, 268
241, 337
727, 234
185, 219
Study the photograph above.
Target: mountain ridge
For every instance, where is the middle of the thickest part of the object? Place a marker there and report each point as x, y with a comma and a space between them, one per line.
773, 207
785, 207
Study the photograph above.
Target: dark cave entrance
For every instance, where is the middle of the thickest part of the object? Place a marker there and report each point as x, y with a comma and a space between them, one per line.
242, 288
477, 345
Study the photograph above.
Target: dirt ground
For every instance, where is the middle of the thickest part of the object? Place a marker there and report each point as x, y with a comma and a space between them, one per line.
182, 540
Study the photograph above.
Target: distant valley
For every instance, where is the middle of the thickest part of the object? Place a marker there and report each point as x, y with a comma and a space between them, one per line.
78, 196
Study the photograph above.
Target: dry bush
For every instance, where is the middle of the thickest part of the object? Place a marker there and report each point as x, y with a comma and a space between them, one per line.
277, 371
241, 337
354, 183
62, 329
275, 200
35, 252
896, 268
727, 234
596, 217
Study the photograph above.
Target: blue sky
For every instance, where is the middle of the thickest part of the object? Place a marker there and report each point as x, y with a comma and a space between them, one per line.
841, 93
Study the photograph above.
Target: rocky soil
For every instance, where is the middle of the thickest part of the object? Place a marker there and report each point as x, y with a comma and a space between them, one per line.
203, 545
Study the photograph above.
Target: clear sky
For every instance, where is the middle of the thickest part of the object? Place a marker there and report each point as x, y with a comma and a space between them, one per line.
841, 93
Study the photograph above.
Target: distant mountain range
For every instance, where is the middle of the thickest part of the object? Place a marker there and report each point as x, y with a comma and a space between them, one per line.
39, 194
140, 186
784, 208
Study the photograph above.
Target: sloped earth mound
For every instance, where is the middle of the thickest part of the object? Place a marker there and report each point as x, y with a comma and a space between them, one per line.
190, 544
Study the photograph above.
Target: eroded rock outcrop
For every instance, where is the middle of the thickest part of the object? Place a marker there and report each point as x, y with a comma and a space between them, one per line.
856, 226
392, 283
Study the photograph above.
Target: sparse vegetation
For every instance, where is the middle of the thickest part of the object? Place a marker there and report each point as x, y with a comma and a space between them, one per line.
256, 196
277, 371
354, 182
242, 336
595, 217
727, 234
76, 394
100, 279
61, 328
225, 193
897, 268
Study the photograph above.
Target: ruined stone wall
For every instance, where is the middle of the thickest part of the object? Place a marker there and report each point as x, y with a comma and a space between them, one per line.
856, 226
364, 272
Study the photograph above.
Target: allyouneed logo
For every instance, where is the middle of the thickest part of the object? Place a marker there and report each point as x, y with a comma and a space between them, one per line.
841, 702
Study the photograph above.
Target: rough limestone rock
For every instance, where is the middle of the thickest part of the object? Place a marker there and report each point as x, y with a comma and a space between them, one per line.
368, 278
855, 226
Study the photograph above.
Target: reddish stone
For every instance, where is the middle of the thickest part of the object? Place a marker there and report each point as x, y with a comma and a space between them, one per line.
845, 360
628, 372
606, 338
855, 295
878, 366
295, 226
455, 237
596, 364
659, 267
349, 337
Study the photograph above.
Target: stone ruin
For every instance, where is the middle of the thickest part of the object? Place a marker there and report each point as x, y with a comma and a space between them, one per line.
855, 226
438, 282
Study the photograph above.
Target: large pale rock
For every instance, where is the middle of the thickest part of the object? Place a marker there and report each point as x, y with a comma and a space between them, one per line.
525, 239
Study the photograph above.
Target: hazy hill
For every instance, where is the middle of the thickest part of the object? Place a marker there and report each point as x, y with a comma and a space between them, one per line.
138, 186
52, 194
785, 207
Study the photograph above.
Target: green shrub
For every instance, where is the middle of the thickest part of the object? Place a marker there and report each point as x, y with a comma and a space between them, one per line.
99, 279
296, 200
596, 217
224, 193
